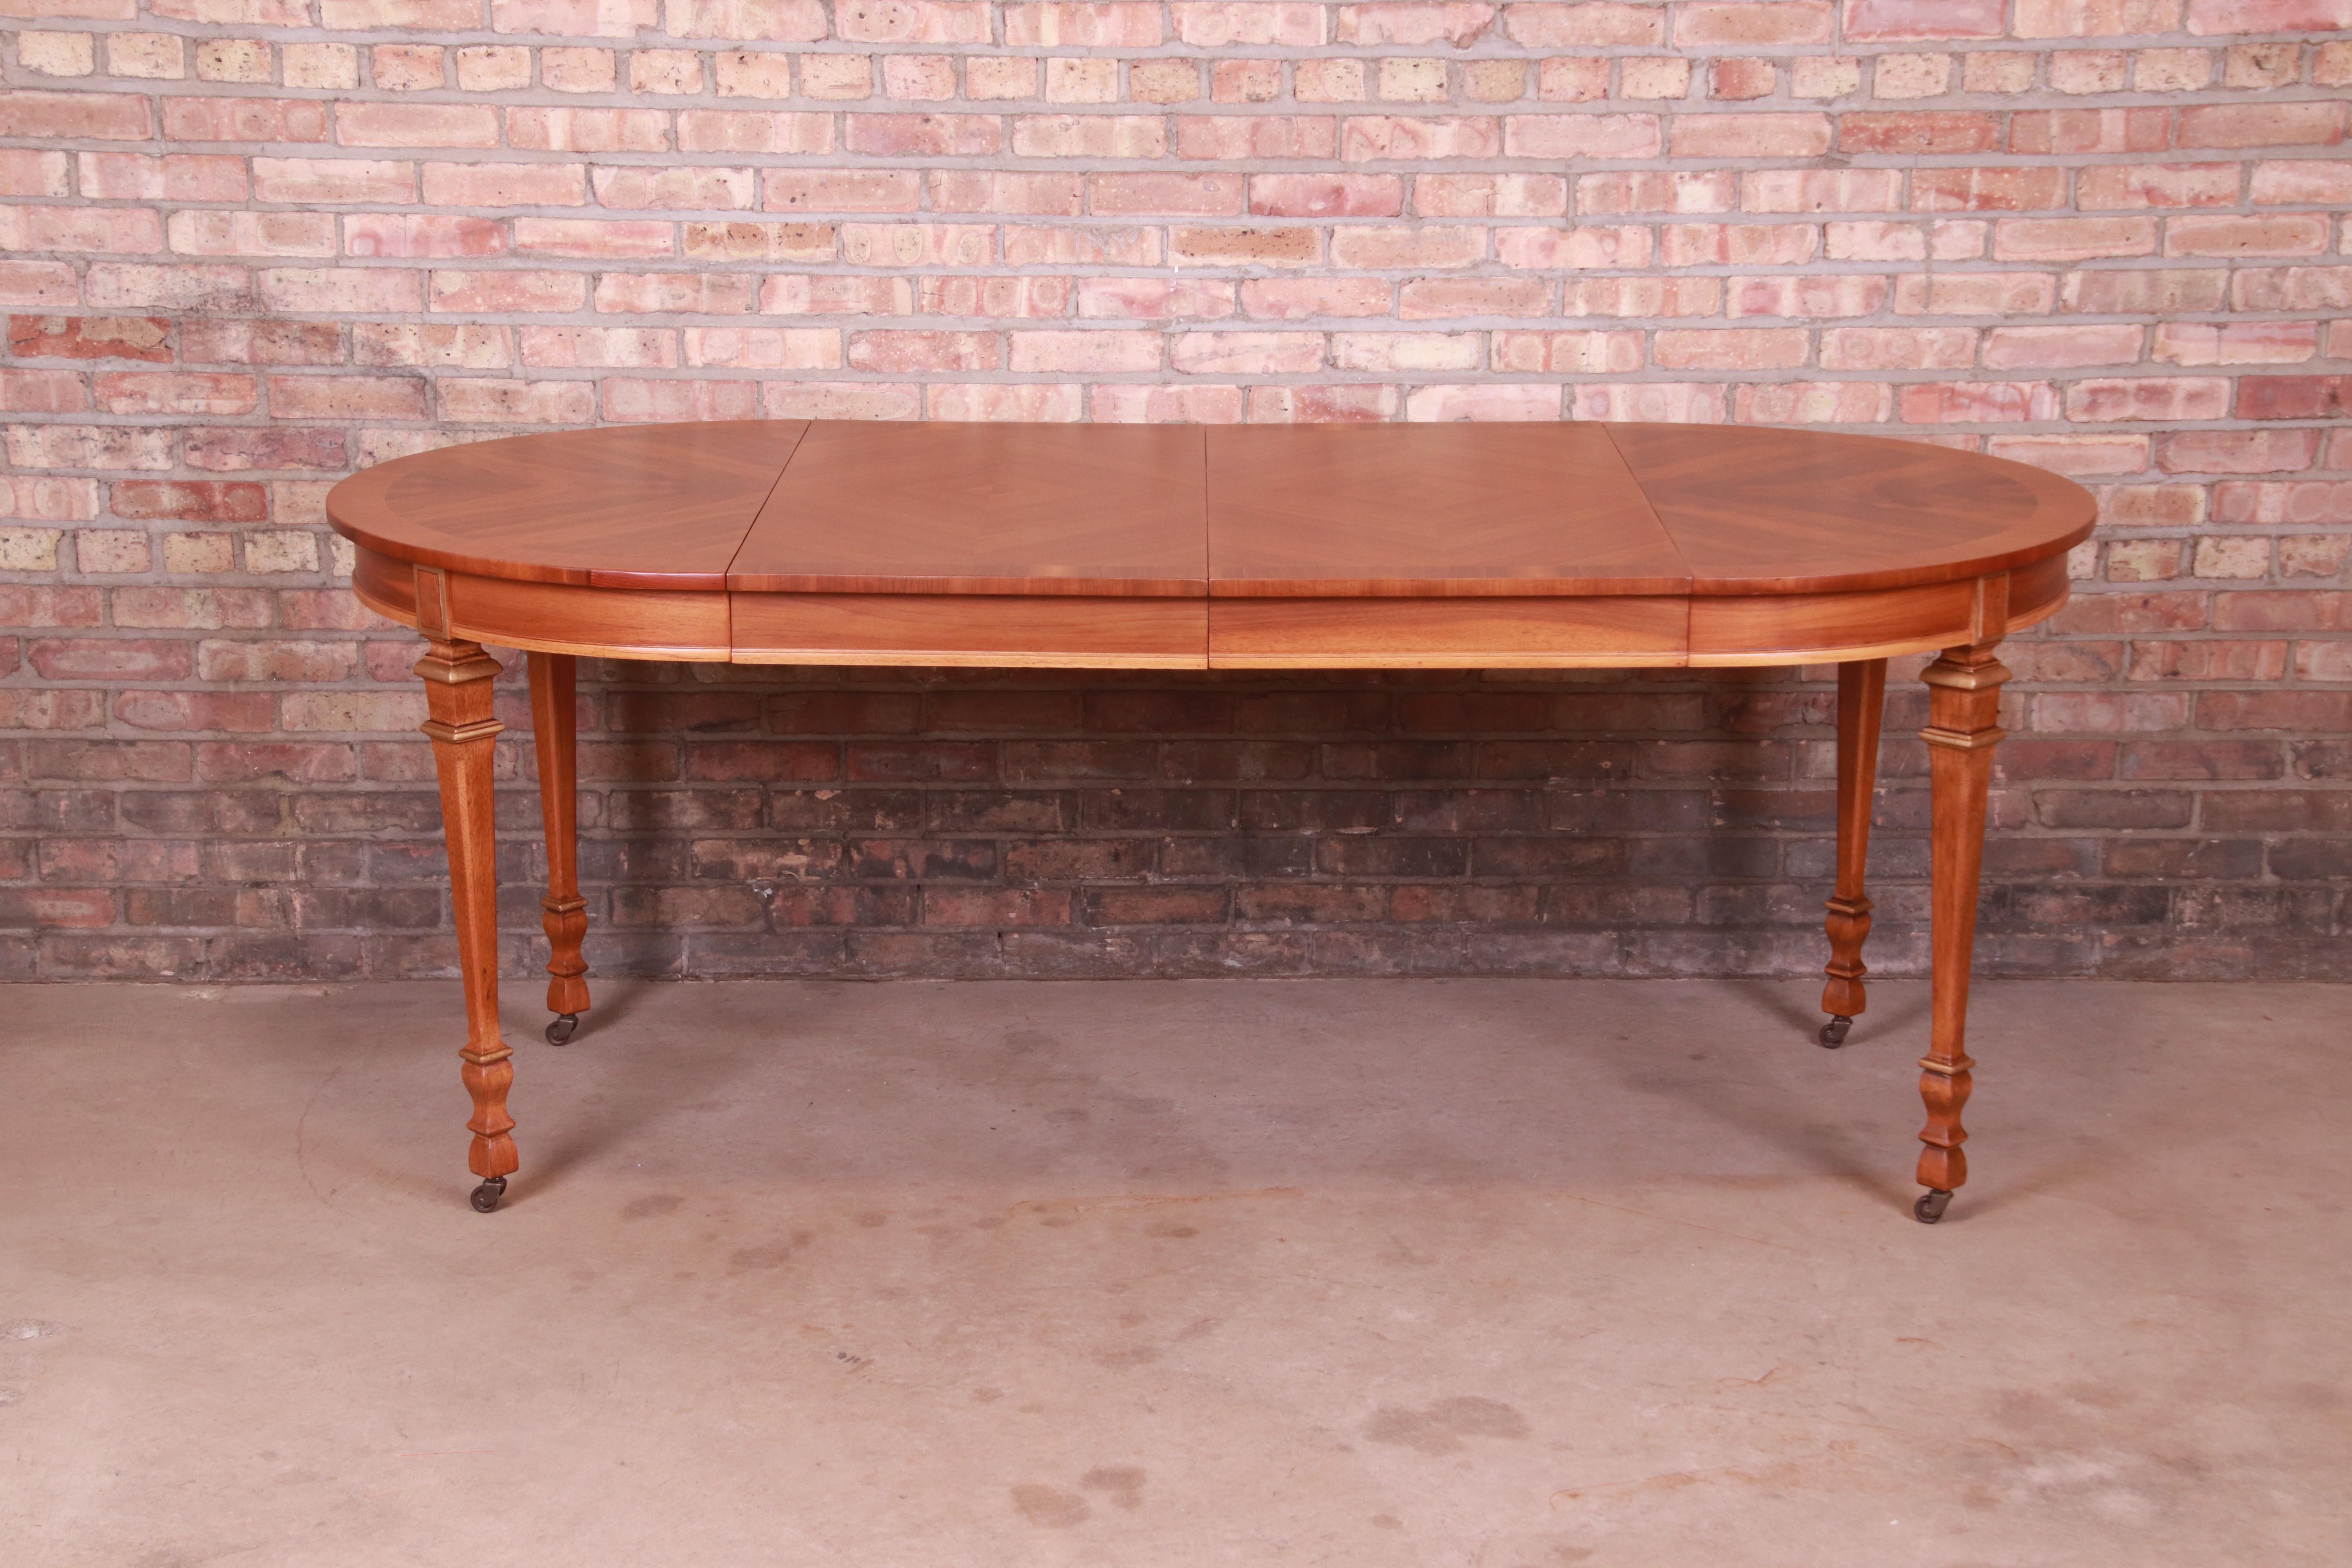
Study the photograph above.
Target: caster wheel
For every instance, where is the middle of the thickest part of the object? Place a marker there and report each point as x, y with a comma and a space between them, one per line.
1833, 1032
1931, 1206
563, 1029
486, 1196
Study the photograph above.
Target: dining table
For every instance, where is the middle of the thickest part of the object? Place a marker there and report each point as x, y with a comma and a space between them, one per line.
1459, 546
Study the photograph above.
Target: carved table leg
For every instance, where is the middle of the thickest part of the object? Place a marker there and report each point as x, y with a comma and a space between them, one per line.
458, 675
1963, 703
554, 725
1862, 702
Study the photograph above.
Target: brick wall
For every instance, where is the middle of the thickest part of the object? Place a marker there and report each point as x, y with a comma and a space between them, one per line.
251, 245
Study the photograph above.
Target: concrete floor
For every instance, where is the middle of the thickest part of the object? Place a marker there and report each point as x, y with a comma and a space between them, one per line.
1507, 1273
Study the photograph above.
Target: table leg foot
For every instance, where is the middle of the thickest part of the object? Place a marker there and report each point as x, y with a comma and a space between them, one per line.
486, 1196
1931, 1205
1833, 1033
563, 1029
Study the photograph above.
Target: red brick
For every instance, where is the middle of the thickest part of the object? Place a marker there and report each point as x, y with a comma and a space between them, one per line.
1889, 21
2295, 397
2262, 125
198, 500
1706, 23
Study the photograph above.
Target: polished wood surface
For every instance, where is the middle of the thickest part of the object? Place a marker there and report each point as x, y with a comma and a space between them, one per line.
644, 506
1174, 547
1430, 512
1101, 510
1758, 510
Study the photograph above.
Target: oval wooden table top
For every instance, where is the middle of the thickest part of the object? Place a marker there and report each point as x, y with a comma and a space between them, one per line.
1213, 546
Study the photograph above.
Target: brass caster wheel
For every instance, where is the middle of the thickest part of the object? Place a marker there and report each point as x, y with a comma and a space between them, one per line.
1931, 1206
563, 1029
1833, 1032
486, 1196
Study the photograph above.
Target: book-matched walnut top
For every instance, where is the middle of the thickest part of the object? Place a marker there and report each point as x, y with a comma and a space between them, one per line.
1230, 511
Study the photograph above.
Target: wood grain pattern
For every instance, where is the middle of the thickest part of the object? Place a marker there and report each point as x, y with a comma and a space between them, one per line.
989, 631
649, 506
1078, 509
564, 913
1861, 703
1963, 710
1597, 633
458, 675
1381, 510
1759, 511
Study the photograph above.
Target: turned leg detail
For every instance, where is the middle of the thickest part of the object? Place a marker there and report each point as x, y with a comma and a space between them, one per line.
554, 726
1862, 702
458, 675
1963, 703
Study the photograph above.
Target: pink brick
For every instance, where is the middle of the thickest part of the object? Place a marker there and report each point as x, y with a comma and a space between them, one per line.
629, 185
1293, 23
2226, 17
1113, 24
840, 400
1821, 190
980, 191
784, 21
1126, 404
634, 400
1581, 136
827, 191
1302, 299
244, 119
1227, 138
1030, 297
1752, 135
919, 352
1812, 403
1499, 402
1568, 353
2314, 181
2080, 457
1653, 402
912, 21
1887, 21
1567, 79
2278, 234
412, 125
485, 401
1550, 24
1438, 299
2262, 125
1085, 351
1167, 196
2241, 342
1056, 404
496, 293
421, 235
1642, 297
2121, 185
1458, 23
674, 293
2073, 240
2045, 348
1739, 244
594, 239
1245, 354
905, 135
222, 233
576, 18
617, 130
42, 392
1327, 196
108, 117
917, 243
1979, 402
764, 347
1374, 248
1586, 245
779, 130
346, 397
505, 184
2236, 451
1731, 349
340, 291
1434, 136
1154, 299
1898, 348
2090, 131
599, 348
328, 182
1737, 22
2095, 18
1815, 295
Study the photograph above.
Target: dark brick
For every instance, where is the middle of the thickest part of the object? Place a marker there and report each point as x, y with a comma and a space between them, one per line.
2113, 808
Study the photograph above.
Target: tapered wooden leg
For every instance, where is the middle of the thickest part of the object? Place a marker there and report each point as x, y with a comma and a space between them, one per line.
458, 675
555, 724
1963, 701
1862, 702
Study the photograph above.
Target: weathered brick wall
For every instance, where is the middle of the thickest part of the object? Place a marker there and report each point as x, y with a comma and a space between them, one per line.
254, 244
